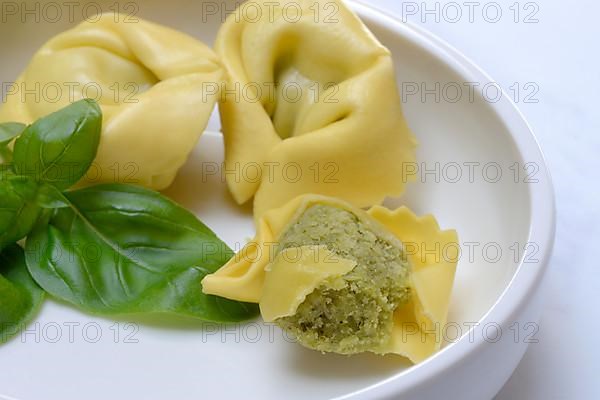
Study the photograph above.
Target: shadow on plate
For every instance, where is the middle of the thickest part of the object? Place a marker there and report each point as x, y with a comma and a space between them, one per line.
315, 364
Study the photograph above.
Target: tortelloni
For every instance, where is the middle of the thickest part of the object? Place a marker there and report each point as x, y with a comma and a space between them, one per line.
150, 81
342, 280
311, 106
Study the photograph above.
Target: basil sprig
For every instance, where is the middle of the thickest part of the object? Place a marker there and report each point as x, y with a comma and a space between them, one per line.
107, 249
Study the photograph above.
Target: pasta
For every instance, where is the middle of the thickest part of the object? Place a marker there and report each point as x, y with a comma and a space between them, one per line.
312, 105
150, 82
416, 283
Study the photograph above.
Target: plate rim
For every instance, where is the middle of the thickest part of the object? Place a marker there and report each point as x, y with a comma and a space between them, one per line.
525, 282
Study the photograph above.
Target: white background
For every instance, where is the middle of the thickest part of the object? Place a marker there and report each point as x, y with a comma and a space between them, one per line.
558, 54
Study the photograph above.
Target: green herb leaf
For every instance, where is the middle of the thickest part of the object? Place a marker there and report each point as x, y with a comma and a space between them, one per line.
48, 196
24, 186
59, 149
20, 296
30, 191
123, 249
17, 214
9, 131
6, 170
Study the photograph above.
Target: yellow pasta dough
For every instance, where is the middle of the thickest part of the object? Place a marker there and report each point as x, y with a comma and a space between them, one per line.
150, 82
280, 282
311, 106
307, 269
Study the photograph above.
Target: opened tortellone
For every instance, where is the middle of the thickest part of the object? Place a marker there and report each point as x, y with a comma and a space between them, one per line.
311, 106
342, 280
149, 81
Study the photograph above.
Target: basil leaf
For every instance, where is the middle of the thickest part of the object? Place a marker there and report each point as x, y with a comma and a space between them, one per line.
24, 187
48, 196
20, 296
124, 249
59, 148
42, 194
17, 214
6, 171
9, 131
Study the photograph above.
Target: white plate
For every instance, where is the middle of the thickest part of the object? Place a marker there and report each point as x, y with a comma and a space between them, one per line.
66, 354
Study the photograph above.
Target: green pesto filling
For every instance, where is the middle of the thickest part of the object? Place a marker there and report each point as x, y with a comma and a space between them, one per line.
358, 316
